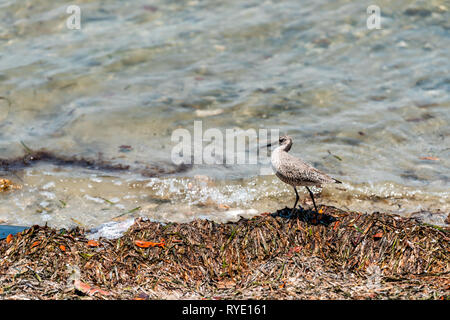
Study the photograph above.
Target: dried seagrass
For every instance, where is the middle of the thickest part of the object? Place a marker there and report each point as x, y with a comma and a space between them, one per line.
344, 255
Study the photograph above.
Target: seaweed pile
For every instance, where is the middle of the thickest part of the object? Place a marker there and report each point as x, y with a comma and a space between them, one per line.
342, 255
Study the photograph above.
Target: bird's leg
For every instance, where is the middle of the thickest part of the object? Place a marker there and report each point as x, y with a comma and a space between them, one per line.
296, 200
312, 197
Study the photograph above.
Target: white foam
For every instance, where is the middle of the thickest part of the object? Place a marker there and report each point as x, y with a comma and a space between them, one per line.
95, 179
98, 200
49, 185
114, 200
111, 230
48, 195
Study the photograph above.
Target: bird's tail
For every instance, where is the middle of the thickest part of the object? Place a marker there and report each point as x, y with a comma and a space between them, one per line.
336, 181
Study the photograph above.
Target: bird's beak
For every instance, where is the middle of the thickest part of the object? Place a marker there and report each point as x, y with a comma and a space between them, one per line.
267, 144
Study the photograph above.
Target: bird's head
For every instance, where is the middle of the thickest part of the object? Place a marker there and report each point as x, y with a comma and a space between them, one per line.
286, 142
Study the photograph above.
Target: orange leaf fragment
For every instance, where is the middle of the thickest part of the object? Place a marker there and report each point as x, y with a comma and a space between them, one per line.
63, 248
335, 225
93, 243
9, 238
141, 296
34, 244
294, 249
429, 158
378, 235
87, 289
147, 244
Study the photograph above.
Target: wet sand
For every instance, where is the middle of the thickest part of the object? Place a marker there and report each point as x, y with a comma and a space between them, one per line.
344, 255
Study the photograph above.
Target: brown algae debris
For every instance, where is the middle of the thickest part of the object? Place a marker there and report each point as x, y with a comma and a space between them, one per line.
354, 256
33, 157
8, 185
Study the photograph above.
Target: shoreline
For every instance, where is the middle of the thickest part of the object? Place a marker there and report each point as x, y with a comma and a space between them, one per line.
344, 255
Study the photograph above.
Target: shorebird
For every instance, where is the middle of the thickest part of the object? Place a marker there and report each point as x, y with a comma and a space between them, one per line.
296, 172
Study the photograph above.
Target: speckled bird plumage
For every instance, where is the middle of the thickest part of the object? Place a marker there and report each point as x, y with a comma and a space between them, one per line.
294, 171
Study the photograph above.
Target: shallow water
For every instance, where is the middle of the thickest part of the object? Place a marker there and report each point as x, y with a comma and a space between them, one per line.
366, 106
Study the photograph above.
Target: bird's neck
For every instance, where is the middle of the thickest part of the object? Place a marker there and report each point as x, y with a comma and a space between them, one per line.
283, 148
276, 154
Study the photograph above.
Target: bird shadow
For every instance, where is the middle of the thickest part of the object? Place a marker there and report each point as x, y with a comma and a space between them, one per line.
305, 215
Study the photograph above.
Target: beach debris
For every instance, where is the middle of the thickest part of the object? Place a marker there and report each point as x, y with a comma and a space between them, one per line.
93, 243
33, 157
429, 158
35, 244
343, 255
378, 235
142, 296
421, 12
110, 230
87, 289
125, 148
335, 156
208, 112
147, 244
223, 206
8, 185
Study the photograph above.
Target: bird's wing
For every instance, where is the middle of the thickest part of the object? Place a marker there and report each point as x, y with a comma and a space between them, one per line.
296, 168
